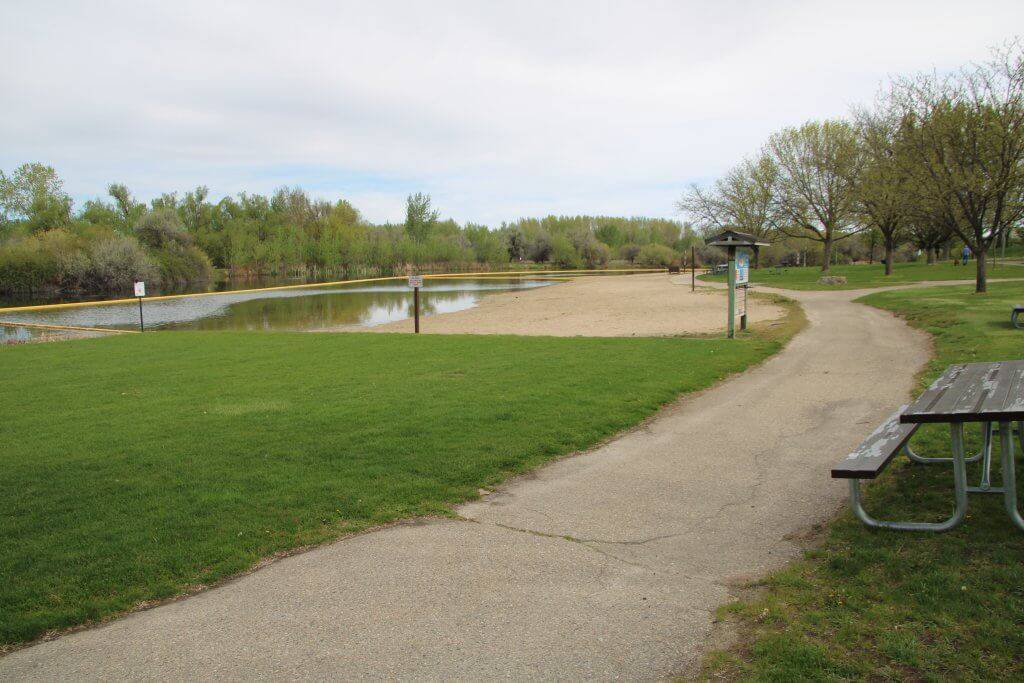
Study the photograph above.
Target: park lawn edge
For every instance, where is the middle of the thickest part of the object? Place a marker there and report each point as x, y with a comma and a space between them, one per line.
1006, 271
752, 619
781, 330
731, 631
732, 635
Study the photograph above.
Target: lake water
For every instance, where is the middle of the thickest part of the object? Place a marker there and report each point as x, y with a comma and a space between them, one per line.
329, 307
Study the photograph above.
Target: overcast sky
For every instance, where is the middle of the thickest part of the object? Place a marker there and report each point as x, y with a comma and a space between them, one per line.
497, 109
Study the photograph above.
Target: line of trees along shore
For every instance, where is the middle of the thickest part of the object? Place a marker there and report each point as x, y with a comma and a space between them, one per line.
174, 240
937, 162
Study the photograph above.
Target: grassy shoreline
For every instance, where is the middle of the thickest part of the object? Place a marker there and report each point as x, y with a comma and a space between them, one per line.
878, 604
142, 466
869, 276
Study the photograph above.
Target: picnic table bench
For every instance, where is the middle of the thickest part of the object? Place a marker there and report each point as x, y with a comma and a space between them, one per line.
1015, 316
987, 393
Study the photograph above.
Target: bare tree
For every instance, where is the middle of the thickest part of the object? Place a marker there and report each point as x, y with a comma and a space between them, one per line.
818, 168
965, 146
742, 199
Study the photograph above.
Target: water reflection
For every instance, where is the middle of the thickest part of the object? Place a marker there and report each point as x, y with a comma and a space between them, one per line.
303, 309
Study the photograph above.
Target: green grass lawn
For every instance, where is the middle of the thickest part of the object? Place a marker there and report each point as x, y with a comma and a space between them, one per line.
860, 276
138, 467
877, 604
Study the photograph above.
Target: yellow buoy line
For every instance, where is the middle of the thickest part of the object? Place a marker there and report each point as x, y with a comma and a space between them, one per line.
311, 285
65, 328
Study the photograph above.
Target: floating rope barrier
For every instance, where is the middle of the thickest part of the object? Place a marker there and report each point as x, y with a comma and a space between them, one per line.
72, 328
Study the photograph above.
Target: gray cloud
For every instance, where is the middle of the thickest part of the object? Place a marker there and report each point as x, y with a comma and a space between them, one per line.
498, 109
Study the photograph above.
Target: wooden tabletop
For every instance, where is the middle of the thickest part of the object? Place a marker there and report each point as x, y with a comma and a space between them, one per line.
974, 392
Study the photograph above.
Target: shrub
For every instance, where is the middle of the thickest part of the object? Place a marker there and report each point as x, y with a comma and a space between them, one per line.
629, 252
595, 254
25, 265
563, 254
71, 263
182, 265
162, 228
656, 255
115, 262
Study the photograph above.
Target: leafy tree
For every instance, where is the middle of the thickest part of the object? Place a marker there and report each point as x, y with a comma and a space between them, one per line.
930, 227
34, 194
656, 255
965, 148
884, 189
162, 228
129, 209
420, 218
96, 212
610, 234
563, 254
818, 168
194, 210
629, 252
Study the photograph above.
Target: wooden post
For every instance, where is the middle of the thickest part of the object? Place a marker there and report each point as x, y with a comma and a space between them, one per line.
416, 306
732, 292
142, 324
693, 268
743, 318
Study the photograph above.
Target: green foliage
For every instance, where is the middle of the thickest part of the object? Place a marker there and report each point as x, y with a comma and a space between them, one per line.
563, 254
184, 237
629, 252
161, 229
131, 464
888, 605
180, 265
655, 255
419, 217
34, 194
26, 265
102, 261
116, 261
938, 159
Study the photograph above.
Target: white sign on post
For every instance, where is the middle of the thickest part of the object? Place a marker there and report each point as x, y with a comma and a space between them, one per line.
140, 289
415, 280
741, 302
742, 268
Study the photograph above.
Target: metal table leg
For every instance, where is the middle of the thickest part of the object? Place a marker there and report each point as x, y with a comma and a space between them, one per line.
959, 488
986, 448
1009, 474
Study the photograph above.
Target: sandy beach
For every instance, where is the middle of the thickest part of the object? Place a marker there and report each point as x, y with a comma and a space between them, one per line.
595, 306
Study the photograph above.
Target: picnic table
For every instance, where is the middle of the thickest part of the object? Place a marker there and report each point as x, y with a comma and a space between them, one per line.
985, 393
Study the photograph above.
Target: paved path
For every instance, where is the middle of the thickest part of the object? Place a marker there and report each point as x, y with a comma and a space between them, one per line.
600, 566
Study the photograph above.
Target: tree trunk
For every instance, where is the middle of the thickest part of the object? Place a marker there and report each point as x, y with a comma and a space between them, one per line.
929, 255
981, 278
827, 264
890, 248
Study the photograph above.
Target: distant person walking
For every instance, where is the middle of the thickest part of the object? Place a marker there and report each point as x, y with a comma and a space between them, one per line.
966, 254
